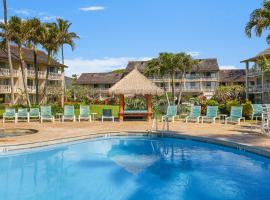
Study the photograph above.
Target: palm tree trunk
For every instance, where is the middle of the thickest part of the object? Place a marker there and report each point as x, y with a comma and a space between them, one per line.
173, 89
45, 92
36, 74
166, 93
24, 77
181, 90
63, 78
9, 56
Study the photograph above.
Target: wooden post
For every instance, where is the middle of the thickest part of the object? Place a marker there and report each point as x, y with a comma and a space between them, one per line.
121, 108
149, 107
247, 73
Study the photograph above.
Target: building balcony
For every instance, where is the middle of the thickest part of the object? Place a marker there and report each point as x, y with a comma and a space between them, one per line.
32, 74
192, 89
6, 73
259, 88
54, 76
6, 89
254, 72
199, 79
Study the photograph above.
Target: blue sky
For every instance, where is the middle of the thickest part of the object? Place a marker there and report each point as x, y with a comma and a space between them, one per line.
115, 31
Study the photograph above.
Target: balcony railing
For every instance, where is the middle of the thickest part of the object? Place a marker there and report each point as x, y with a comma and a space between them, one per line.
32, 74
55, 76
6, 72
254, 72
167, 80
5, 89
259, 88
192, 89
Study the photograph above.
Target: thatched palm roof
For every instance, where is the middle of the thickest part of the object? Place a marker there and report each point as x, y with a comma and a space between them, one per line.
135, 84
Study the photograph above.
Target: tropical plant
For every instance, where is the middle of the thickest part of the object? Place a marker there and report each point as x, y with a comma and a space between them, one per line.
259, 21
226, 93
19, 34
231, 103
35, 28
168, 64
65, 37
247, 109
51, 43
7, 37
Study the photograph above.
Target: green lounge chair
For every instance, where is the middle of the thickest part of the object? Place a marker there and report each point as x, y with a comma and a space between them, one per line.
107, 114
211, 114
257, 111
23, 114
10, 114
85, 114
34, 113
195, 114
170, 114
236, 114
69, 114
46, 113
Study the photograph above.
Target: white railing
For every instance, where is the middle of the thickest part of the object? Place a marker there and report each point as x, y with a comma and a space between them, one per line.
55, 76
167, 80
5, 89
6, 72
32, 74
254, 72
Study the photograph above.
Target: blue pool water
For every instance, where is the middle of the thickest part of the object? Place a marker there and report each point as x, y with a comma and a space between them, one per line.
132, 168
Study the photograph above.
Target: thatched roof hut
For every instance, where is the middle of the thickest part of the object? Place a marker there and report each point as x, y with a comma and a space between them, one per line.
135, 84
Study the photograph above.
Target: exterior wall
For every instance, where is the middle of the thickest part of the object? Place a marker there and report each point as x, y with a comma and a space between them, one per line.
258, 84
195, 83
55, 80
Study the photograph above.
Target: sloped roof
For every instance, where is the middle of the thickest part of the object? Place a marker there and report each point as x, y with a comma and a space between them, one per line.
28, 56
99, 78
210, 64
232, 75
265, 53
135, 84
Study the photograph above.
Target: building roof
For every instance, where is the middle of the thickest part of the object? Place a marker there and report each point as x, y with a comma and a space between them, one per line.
99, 78
42, 57
204, 65
135, 84
232, 75
265, 53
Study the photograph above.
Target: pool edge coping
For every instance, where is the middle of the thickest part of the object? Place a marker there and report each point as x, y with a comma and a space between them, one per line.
10, 148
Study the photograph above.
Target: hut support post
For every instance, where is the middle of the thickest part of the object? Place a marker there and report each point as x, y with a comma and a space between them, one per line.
149, 107
121, 108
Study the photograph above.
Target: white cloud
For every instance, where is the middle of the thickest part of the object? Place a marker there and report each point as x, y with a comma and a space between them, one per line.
24, 12
227, 67
80, 65
49, 18
92, 8
194, 53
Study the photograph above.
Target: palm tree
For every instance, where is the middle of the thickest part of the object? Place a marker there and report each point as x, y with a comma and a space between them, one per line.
19, 35
170, 64
50, 42
6, 36
35, 28
259, 21
66, 37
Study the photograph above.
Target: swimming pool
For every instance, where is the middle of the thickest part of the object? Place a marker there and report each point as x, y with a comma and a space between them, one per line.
132, 168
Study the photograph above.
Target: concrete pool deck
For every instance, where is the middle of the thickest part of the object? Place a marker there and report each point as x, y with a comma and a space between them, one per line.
53, 133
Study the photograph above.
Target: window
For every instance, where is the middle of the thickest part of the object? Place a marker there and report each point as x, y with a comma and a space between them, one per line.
30, 82
107, 85
30, 67
95, 85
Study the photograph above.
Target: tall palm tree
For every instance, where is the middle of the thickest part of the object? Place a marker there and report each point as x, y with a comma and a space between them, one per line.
66, 37
170, 64
50, 42
35, 28
259, 21
19, 35
9, 54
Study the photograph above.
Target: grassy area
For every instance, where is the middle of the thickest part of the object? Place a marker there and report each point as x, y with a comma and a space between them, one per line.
98, 109
93, 108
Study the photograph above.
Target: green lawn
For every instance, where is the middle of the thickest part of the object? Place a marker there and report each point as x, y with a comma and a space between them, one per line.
93, 108
98, 109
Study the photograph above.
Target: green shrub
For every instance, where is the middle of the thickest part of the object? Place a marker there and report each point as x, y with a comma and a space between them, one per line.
212, 102
231, 103
247, 110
